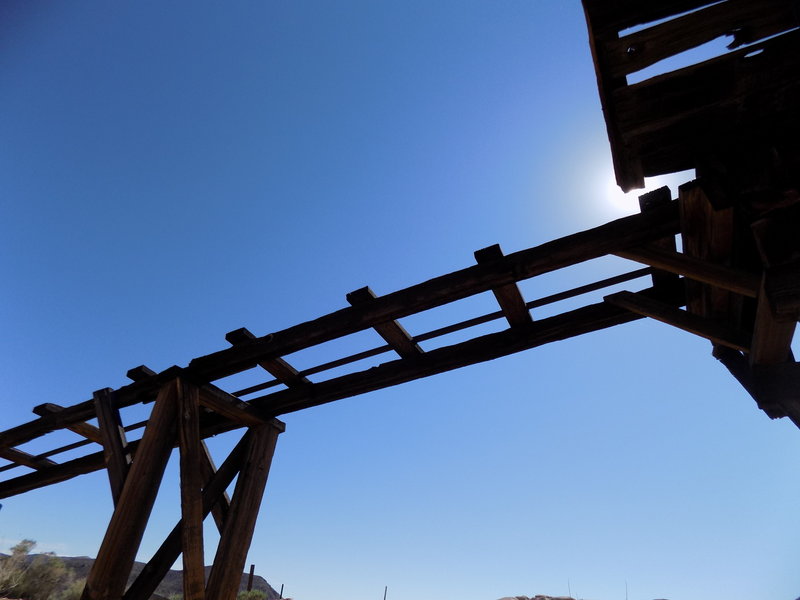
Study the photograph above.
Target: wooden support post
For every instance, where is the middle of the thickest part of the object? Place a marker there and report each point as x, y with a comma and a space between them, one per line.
250, 577
772, 338
109, 574
191, 491
226, 572
157, 567
778, 305
707, 234
508, 296
115, 445
663, 281
219, 511
391, 331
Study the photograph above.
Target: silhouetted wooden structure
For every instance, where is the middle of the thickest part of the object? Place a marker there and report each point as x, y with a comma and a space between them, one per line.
734, 281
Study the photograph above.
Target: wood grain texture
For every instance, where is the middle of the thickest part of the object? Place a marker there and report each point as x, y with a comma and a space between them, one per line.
744, 21
392, 332
508, 296
191, 477
90, 432
275, 366
20, 457
229, 561
740, 282
107, 578
711, 330
219, 511
617, 235
115, 444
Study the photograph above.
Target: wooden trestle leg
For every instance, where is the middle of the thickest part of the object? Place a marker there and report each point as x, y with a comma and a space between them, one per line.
191, 491
176, 414
226, 572
109, 574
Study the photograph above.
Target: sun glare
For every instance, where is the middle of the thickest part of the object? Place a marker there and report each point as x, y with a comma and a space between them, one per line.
615, 203
616, 199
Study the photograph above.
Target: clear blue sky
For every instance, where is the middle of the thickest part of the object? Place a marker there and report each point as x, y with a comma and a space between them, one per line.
173, 171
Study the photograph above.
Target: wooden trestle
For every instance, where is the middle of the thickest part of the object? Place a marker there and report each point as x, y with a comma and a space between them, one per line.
748, 314
735, 281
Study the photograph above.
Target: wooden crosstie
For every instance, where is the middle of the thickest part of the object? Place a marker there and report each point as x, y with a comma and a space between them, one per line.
734, 279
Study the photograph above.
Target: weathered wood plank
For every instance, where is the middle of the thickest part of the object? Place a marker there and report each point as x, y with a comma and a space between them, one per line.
226, 572
772, 338
508, 296
392, 332
611, 237
440, 360
624, 155
726, 278
707, 234
157, 567
191, 459
711, 330
739, 366
662, 280
746, 21
115, 444
781, 384
129, 395
90, 432
484, 348
219, 511
622, 14
716, 86
140, 373
231, 407
109, 574
56, 474
617, 235
775, 388
20, 457
782, 286
277, 366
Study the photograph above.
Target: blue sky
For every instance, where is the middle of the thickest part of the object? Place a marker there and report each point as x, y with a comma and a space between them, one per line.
173, 171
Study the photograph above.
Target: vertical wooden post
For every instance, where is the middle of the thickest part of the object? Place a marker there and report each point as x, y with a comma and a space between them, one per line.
109, 574
250, 577
191, 491
226, 572
115, 445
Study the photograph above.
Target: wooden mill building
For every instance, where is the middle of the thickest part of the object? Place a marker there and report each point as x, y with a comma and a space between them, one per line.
719, 261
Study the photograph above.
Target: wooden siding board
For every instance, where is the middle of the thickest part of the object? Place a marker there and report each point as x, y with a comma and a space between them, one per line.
617, 15
744, 20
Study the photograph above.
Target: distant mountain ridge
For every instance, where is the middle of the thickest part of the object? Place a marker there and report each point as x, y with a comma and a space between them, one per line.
538, 597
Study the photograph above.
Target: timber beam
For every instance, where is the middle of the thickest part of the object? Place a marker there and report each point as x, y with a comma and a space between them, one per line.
615, 236
508, 296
